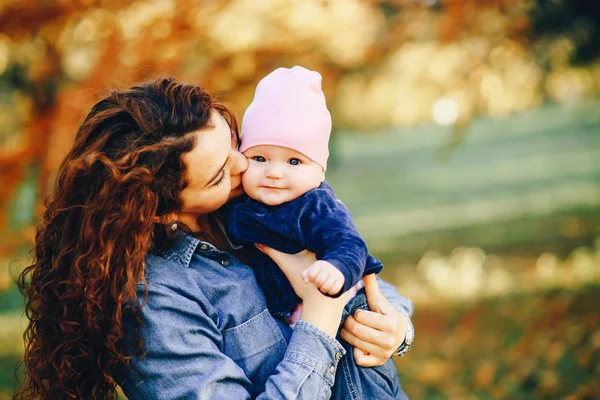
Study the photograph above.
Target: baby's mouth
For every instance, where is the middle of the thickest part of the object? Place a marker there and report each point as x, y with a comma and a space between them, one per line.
272, 187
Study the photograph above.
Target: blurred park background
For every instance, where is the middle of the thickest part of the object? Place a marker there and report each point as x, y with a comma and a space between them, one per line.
466, 144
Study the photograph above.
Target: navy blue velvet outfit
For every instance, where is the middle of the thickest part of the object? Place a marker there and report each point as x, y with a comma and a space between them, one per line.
316, 221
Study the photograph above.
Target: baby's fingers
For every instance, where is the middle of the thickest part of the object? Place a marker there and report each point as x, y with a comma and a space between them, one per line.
328, 284
310, 274
337, 286
321, 278
332, 284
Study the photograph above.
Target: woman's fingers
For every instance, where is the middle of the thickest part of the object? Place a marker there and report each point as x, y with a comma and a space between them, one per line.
365, 354
376, 333
391, 320
363, 359
375, 320
353, 340
362, 333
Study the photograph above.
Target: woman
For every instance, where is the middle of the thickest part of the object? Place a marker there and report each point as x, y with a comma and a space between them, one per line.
135, 284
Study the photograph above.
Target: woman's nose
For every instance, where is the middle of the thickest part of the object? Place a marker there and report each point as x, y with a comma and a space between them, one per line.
239, 164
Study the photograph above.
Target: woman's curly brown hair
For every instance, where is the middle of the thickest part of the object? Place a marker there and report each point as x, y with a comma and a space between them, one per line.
125, 168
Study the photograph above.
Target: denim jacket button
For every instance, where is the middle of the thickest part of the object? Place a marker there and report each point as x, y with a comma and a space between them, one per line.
338, 355
225, 263
204, 247
332, 370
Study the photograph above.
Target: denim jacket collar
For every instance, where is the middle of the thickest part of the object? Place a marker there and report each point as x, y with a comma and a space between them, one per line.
183, 249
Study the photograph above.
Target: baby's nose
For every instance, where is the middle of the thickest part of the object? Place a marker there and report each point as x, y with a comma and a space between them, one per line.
274, 171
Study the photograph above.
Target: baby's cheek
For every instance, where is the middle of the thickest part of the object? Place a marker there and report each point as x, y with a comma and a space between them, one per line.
250, 181
247, 177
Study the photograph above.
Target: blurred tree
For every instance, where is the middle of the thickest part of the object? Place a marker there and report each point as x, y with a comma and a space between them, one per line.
384, 62
578, 20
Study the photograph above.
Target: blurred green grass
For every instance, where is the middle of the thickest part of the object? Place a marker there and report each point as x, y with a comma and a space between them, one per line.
519, 183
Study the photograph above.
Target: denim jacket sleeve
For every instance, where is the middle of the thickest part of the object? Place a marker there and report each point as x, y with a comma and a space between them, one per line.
184, 357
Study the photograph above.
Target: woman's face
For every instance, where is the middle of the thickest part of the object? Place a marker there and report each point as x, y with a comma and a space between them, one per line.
214, 169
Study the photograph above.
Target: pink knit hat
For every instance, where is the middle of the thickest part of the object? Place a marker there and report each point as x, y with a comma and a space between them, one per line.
289, 110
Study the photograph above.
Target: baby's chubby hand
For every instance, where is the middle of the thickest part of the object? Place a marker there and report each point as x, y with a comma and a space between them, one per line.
327, 278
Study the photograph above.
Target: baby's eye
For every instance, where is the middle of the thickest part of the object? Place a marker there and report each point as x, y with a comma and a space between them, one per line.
259, 158
295, 161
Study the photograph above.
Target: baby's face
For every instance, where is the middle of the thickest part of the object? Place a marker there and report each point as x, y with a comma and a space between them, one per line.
276, 175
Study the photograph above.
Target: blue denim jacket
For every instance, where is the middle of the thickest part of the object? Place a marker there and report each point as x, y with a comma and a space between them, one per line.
208, 334
316, 221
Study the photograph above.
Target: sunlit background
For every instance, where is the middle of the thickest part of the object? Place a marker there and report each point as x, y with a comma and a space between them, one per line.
466, 143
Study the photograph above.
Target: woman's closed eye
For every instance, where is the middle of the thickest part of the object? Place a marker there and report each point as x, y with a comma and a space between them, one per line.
221, 179
294, 161
259, 158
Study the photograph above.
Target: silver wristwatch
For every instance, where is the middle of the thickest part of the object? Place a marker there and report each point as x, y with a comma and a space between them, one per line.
408, 340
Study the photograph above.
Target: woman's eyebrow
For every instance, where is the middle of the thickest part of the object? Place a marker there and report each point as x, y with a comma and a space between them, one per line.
214, 178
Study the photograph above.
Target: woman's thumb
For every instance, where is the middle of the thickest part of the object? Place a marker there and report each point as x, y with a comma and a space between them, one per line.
263, 248
374, 295
272, 253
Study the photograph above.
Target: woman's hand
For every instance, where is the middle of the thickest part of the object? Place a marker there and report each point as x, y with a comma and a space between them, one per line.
317, 309
375, 334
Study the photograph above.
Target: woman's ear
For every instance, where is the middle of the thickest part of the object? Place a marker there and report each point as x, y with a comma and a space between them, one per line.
165, 219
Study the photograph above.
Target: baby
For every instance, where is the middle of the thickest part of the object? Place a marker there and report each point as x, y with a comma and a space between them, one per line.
289, 206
